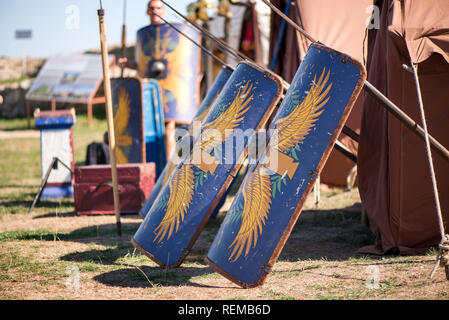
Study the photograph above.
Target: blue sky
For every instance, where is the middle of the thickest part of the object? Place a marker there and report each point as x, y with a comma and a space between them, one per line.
70, 26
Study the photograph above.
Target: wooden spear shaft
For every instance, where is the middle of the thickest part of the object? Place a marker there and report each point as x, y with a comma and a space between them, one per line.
123, 35
109, 116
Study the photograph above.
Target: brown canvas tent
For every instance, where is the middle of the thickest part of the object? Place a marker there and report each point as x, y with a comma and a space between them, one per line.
340, 25
393, 173
394, 178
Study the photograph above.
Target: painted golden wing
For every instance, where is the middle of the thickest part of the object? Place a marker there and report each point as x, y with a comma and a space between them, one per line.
142, 60
121, 117
257, 202
257, 189
293, 128
181, 193
157, 50
121, 120
218, 130
170, 167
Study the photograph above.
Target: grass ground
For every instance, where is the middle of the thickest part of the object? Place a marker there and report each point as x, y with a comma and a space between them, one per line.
54, 254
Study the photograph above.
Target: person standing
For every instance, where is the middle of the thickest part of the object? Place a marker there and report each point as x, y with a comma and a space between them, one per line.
155, 10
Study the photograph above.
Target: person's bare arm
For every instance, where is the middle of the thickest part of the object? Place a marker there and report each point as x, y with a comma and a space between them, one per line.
125, 63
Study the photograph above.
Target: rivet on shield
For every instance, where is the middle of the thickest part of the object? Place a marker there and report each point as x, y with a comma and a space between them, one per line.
313, 173
266, 268
232, 174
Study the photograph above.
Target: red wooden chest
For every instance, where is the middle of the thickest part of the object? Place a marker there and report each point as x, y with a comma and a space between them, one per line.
93, 187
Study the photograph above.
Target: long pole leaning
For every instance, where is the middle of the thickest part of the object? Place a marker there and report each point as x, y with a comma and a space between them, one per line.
123, 36
372, 90
224, 47
443, 250
346, 130
109, 116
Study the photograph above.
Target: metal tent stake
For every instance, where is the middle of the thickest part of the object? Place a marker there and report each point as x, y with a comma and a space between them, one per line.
109, 116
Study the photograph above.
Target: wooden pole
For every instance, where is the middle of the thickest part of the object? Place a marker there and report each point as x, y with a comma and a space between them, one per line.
28, 107
123, 35
170, 142
89, 112
109, 116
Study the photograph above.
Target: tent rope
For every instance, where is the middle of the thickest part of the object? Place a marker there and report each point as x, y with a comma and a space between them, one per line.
443, 247
442, 259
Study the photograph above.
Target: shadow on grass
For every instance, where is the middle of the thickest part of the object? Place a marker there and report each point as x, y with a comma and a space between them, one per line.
21, 186
26, 198
332, 235
133, 277
130, 274
86, 234
318, 234
20, 127
23, 206
102, 257
59, 214
99, 112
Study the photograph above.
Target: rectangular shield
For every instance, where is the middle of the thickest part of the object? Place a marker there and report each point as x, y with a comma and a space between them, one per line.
128, 120
271, 196
201, 114
199, 181
164, 54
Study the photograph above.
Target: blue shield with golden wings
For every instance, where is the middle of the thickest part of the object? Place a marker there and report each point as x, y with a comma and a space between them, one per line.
273, 192
201, 114
201, 178
164, 54
128, 121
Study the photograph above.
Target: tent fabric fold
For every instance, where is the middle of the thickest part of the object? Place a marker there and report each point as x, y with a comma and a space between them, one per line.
335, 25
393, 173
394, 177
425, 27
